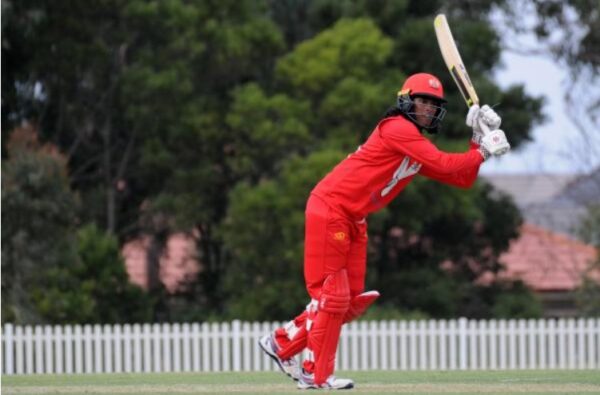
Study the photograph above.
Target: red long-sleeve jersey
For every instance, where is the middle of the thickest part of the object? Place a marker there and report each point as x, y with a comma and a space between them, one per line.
380, 169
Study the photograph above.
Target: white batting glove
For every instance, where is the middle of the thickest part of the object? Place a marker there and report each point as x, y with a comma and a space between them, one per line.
482, 120
494, 143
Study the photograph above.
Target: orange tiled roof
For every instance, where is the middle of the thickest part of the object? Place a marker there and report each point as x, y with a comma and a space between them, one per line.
547, 261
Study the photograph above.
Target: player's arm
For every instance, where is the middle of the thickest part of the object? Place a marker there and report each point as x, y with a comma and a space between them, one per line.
458, 169
482, 120
461, 179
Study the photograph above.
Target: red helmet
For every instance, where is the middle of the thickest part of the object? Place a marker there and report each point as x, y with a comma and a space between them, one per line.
423, 84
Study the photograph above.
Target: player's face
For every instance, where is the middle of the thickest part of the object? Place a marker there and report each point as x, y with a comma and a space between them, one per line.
425, 109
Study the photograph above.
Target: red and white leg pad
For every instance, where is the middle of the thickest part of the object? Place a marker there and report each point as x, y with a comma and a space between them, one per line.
293, 336
295, 333
324, 333
359, 304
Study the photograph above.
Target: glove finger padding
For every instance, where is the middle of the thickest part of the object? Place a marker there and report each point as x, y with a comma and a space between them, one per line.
472, 115
495, 143
489, 117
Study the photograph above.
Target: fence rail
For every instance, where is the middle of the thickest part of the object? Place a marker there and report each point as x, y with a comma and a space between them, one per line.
232, 346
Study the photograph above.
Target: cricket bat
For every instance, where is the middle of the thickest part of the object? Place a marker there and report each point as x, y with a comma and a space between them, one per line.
453, 60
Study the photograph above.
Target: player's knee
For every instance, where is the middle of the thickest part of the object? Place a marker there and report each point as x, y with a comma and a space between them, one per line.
335, 294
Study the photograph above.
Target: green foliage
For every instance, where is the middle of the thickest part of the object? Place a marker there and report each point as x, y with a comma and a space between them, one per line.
38, 222
94, 289
221, 117
386, 312
261, 281
588, 293
514, 300
351, 48
265, 130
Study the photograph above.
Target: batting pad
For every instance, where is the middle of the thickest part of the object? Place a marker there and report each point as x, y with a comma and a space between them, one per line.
324, 335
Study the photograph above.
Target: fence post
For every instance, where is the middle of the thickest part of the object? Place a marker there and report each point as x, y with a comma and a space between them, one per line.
484, 338
373, 351
443, 333
68, 337
127, 351
462, 343
147, 347
47, 342
592, 332
156, 345
19, 345
78, 349
551, 344
137, 348
562, 344
354, 333
58, 349
225, 346
107, 339
186, 344
453, 339
412, 345
38, 346
493, 337
434, 336
384, 346
246, 339
117, 331
512, 344
394, 344
98, 365
176, 342
8, 349
167, 338
422, 336
532, 335
196, 367
472, 334
39, 349
542, 344
206, 347
237, 355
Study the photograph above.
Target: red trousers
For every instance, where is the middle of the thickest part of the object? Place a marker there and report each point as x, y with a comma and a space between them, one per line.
333, 242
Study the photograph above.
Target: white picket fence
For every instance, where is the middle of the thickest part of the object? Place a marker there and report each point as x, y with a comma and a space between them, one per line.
385, 345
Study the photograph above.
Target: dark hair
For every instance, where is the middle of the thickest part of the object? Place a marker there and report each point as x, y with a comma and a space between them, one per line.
393, 111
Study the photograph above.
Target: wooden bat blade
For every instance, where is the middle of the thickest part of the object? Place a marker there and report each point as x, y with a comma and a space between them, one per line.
453, 60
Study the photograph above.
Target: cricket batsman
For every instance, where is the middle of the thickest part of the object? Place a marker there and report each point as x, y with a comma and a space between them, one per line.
336, 213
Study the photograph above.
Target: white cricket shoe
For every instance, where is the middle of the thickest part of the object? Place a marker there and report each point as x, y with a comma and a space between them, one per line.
307, 381
289, 366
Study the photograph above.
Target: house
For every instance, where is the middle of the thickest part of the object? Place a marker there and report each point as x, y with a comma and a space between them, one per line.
178, 264
549, 256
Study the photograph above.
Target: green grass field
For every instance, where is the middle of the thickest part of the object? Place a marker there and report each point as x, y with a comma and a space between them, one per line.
376, 382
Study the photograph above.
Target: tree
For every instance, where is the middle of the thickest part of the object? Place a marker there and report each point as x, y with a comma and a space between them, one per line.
38, 222
264, 233
50, 273
136, 94
178, 115
96, 289
467, 228
588, 293
568, 33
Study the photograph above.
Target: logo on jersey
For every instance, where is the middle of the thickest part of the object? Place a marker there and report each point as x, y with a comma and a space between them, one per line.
339, 236
403, 171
